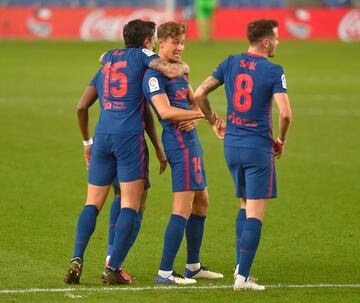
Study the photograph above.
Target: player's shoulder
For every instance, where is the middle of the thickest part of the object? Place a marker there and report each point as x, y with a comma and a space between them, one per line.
110, 54
274, 68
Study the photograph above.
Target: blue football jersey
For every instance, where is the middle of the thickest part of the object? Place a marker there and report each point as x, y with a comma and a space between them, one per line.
250, 82
155, 83
119, 86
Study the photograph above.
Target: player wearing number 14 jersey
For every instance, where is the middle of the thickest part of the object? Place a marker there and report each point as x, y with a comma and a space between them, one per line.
251, 82
173, 100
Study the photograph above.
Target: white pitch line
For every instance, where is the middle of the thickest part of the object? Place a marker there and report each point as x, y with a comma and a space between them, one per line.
112, 289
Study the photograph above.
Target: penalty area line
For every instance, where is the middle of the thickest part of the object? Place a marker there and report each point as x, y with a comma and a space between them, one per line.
206, 287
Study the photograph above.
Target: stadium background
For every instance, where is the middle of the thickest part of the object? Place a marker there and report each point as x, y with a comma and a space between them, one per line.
311, 233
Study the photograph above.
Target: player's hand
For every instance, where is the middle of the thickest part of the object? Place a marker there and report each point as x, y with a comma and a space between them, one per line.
87, 150
278, 148
162, 160
188, 125
219, 129
218, 126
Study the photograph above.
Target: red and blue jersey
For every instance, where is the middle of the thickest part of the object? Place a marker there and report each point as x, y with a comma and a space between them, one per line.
119, 87
155, 83
250, 82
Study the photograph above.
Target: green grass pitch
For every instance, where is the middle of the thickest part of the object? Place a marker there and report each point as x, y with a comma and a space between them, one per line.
311, 232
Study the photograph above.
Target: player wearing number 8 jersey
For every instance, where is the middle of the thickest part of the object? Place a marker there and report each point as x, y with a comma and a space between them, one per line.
119, 147
251, 82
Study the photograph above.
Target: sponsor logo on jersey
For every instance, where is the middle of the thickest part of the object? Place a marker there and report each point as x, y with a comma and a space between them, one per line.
283, 80
148, 52
234, 119
153, 84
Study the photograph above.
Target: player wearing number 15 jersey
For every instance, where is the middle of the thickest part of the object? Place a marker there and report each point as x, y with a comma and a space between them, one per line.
119, 147
251, 82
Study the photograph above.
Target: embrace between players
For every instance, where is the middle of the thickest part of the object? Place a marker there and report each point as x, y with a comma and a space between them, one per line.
132, 78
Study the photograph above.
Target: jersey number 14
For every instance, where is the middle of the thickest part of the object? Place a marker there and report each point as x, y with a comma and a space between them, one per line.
242, 92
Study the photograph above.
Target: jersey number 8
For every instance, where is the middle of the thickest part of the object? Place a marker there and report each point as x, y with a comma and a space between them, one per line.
243, 89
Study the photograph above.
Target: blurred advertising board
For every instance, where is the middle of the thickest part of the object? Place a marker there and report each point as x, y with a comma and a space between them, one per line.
229, 23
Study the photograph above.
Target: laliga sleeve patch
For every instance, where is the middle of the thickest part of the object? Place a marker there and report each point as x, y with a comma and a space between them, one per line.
283, 80
148, 52
153, 84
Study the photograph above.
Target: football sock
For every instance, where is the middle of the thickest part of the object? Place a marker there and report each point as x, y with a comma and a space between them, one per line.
194, 236
84, 229
165, 273
240, 221
114, 214
137, 227
123, 233
249, 243
193, 267
172, 240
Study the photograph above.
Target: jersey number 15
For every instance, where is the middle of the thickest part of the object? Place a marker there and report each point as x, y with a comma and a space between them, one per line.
242, 92
112, 75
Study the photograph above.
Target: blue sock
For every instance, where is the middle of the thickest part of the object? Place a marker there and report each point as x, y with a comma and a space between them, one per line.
136, 228
194, 236
123, 233
172, 240
114, 214
240, 222
249, 243
84, 229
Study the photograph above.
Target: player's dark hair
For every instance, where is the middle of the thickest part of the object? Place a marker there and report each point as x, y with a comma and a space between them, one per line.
171, 29
260, 28
136, 31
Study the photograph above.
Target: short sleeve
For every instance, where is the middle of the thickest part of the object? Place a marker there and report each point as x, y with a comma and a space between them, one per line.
146, 56
106, 57
95, 79
279, 85
154, 83
219, 72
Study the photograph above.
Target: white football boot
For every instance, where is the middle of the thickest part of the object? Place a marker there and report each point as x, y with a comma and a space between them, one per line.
202, 273
174, 278
241, 283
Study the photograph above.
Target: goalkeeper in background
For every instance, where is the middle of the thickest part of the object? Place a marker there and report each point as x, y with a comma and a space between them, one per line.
204, 12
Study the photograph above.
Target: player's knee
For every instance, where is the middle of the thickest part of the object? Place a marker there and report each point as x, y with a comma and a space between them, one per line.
200, 207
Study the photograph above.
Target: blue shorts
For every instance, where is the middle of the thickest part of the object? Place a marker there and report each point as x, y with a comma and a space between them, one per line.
124, 157
187, 169
253, 172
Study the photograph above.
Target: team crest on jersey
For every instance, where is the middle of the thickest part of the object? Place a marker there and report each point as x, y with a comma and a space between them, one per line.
148, 52
283, 80
153, 84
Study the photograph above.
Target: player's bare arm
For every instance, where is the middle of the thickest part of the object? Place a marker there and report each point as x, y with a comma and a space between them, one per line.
168, 112
150, 129
285, 118
201, 93
88, 98
171, 70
